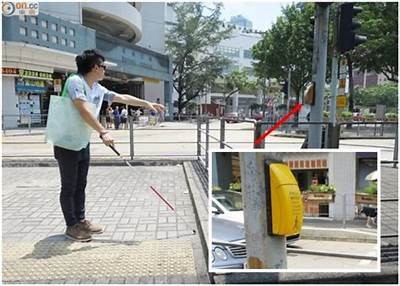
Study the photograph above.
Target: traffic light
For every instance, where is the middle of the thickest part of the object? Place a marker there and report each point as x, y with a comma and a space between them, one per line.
284, 88
347, 38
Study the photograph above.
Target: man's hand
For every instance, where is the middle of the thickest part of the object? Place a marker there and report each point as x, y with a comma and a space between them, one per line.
154, 106
107, 139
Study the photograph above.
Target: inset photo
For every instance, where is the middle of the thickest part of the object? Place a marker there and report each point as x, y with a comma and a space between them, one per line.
300, 211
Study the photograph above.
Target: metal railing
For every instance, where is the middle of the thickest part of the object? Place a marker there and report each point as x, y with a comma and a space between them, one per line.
204, 136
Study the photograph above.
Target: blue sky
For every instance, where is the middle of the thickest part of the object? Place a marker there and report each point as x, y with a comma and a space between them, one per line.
262, 14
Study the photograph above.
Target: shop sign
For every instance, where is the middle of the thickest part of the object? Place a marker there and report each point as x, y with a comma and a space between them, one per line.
35, 74
341, 101
31, 85
9, 71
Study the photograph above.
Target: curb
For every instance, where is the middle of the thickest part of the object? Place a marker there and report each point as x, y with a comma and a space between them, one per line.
41, 162
337, 234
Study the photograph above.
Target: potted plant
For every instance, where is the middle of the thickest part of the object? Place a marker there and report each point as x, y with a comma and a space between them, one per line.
391, 117
322, 192
368, 195
369, 116
346, 116
235, 186
326, 116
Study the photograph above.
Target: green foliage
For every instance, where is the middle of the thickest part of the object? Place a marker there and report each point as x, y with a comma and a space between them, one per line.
191, 43
236, 186
346, 115
323, 188
287, 42
216, 188
326, 114
391, 116
381, 94
379, 22
371, 189
368, 116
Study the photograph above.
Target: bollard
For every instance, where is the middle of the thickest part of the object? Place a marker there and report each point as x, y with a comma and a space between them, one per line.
198, 136
382, 127
131, 138
30, 123
207, 139
344, 211
257, 134
222, 134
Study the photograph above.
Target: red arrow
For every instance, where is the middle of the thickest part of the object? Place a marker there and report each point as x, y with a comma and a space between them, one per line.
279, 123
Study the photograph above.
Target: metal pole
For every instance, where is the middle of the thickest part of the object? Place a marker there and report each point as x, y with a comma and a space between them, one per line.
263, 250
315, 131
30, 123
396, 147
344, 211
332, 111
132, 139
257, 134
222, 134
207, 139
288, 90
263, 103
198, 135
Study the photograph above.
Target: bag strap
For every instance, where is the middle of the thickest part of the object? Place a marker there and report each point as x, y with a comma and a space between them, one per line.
64, 92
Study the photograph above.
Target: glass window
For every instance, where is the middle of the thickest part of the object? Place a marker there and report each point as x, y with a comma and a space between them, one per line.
34, 34
54, 39
63, 42
44, 24
23, 31
72, 32
63, 29
247, 54
34, 20
54, 27
72, 44
22, 18
45, 37
150, 58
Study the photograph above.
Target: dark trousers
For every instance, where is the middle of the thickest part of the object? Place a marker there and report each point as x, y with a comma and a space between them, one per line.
74, 166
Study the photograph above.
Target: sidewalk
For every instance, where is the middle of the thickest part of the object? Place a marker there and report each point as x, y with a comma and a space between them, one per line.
144, 242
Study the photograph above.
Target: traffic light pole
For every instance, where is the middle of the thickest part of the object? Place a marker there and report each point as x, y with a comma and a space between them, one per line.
264, 251
320, 56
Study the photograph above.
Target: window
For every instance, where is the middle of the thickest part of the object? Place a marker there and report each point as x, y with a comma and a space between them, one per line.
63, 42
63, 29
23, 31
72, 32
247, 54
54, 39
54, 27
72, 44
150, 58
45, 37
34, 34
133, 53
34, 20
45, 24
22, 18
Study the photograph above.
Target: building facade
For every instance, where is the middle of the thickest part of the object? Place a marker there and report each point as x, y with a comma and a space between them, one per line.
39, 53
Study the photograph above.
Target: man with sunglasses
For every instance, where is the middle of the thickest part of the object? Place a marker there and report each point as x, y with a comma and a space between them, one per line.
83, 88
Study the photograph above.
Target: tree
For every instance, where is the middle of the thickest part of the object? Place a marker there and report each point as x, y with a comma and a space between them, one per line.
236, 81
379, 22
191, 43
288, 44
381, 94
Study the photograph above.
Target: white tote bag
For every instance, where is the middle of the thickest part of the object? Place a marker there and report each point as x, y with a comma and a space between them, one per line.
65, 126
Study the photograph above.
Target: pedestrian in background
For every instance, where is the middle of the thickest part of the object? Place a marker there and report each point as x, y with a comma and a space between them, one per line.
85, 91
117, 118
124, 118
109, 117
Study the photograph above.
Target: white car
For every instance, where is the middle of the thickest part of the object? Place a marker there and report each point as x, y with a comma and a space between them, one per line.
228, 226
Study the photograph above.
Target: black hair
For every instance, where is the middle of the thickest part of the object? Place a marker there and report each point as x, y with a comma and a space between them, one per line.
87, 60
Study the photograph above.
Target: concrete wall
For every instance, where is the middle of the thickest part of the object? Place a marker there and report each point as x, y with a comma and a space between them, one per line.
9, 102
70, 11
152, 91
153, 23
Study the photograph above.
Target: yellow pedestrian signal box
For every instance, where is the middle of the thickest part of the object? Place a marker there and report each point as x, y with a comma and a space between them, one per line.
284, 201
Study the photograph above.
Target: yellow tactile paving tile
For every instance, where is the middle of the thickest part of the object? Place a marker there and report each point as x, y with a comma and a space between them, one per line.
94, 260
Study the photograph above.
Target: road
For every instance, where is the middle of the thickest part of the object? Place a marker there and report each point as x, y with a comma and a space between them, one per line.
178, 140
312, 262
